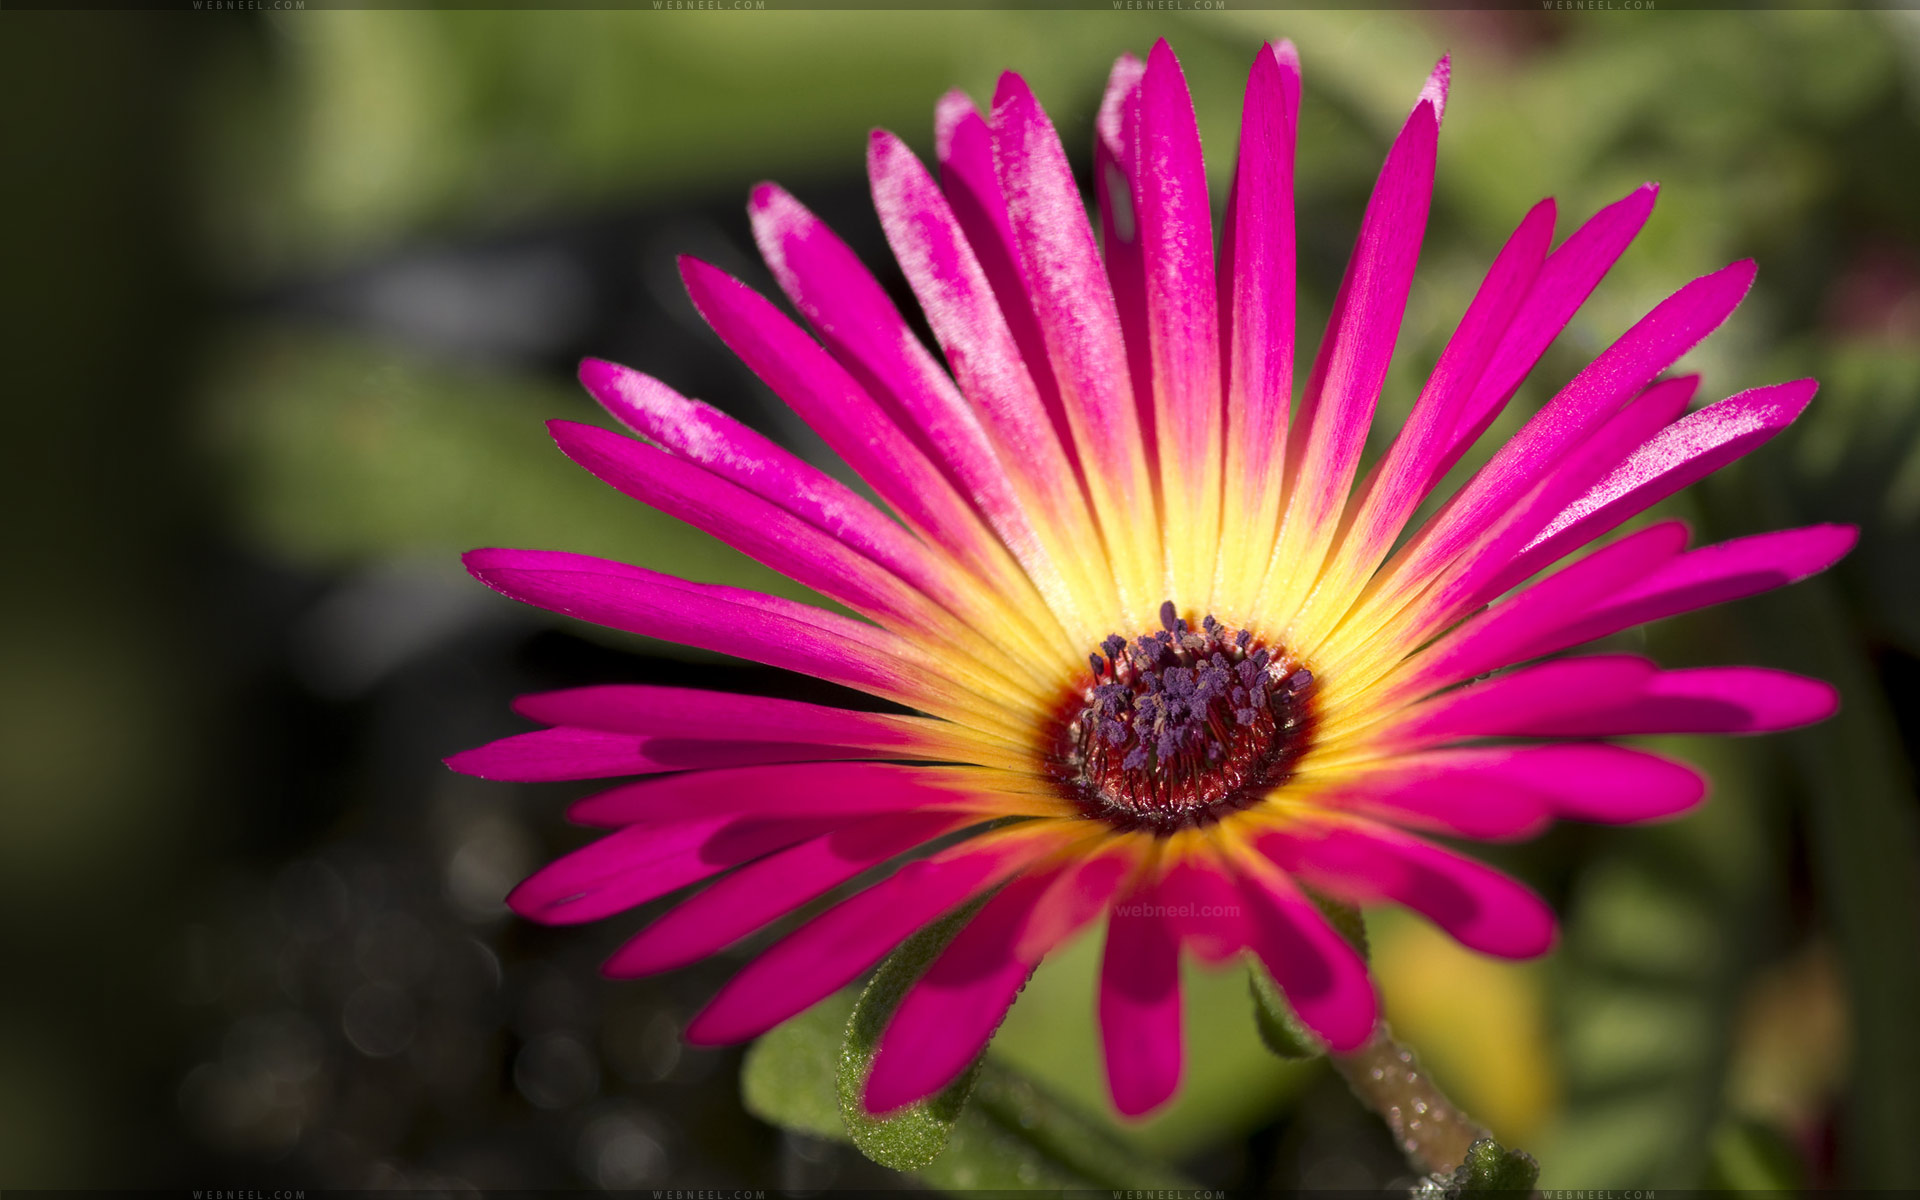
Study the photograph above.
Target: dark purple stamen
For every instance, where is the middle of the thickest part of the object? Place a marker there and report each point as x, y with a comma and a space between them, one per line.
1183, 725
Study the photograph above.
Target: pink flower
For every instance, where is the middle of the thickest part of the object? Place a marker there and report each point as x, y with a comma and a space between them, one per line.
1169, 660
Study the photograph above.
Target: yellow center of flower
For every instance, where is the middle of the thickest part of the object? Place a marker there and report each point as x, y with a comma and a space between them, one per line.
1181, 726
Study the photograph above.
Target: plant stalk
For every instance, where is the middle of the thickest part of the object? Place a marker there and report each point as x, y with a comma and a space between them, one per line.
1429, 1128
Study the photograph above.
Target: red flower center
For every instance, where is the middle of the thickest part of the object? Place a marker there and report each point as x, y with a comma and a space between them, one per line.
1182, 726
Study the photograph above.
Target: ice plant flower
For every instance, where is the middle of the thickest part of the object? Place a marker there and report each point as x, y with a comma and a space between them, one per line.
1166, 657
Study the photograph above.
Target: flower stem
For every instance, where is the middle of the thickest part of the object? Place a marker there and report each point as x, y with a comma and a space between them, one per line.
1429, 1128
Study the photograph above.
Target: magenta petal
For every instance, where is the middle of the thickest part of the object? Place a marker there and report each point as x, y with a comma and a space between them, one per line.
1702, 700
1520, 702
1446, 798
802, 789
948, 1016
1708, 576
836, 407
548, 754
1182, 324
985, 354
1568, 278
1686, 451
672, 712
1582, 781
1675, 326
1203, 909
1495, 564
1257, 260
833, 949
1405, 475
642, 863
971, 182
761, 530
1362, 862
766, 629
863, 329
1337, 407
1075, 306
1514, 629
704, 435
1140, 1005
1324, 978
760, 893
1116, 180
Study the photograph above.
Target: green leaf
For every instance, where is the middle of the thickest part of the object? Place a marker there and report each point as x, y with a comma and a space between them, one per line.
1490, 1169
1014, 1134
1348, 921
1280, 1028
914, 1136
787, 1078
1017, 1134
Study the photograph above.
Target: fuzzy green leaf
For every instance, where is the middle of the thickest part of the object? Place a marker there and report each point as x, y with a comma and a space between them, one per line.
914, 1136
787, 1076
1490, 1169
1280, 1028
1014, 1134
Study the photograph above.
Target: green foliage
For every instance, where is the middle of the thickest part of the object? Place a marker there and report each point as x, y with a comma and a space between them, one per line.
787, 1078
1489, 1170
1014, 1133
914, 1136
1279, 1028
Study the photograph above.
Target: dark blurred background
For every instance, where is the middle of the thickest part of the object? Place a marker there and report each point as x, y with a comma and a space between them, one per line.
287, 297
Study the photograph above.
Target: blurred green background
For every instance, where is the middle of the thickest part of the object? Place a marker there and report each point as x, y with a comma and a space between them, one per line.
287, 298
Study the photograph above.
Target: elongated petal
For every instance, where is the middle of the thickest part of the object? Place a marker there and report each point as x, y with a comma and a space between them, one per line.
1596, 394
1203, 907
1568, 278
643, 863
1182, 328
1688, 450
1324, 978
1708, 576
1140, 1005
703, 434
1702, 700
863, 329
1075, 306
830, 951
762, 892
1257, 320
1490, 568
1344, 388
968, 176
547, 754
672, 712
766, 629
1362, 862
1519, 702
1391, 493
829, 399
756, 527
1513, 630
1580, 781
804, 789
953, 289
1116, 179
